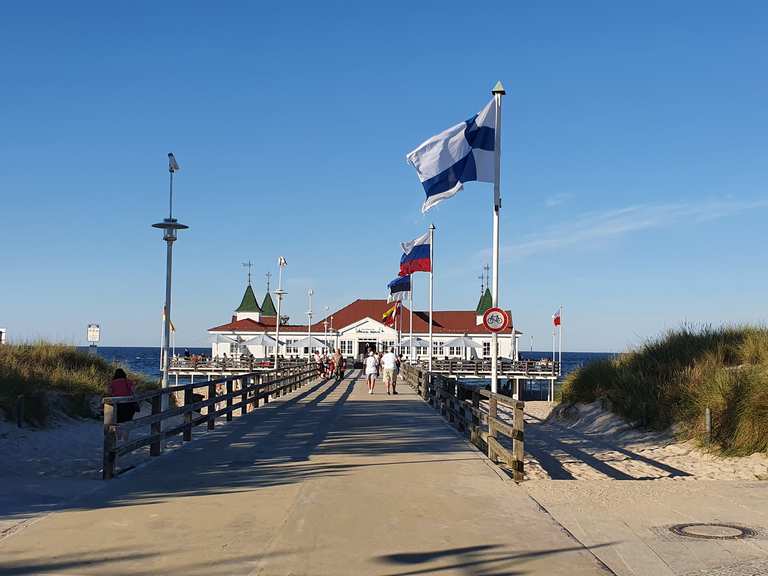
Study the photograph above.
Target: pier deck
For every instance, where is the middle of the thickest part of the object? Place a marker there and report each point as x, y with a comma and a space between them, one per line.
326, 480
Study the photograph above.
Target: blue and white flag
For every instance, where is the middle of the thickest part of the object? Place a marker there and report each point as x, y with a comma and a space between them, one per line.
460, 154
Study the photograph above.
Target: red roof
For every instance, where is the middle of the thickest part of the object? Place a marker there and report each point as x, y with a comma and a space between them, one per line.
443, 322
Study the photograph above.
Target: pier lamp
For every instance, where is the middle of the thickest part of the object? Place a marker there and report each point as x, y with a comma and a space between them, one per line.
169, 226
281, 263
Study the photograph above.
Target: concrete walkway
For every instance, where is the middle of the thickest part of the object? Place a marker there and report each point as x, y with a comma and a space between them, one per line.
329, 481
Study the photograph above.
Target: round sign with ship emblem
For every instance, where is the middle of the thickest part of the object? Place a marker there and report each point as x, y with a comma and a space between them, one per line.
496, 319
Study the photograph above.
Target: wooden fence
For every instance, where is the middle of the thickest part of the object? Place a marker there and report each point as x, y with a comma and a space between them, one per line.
475, 412
242, 392
532, 368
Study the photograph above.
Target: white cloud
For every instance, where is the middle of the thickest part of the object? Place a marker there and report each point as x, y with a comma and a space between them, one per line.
618, 222
557, 199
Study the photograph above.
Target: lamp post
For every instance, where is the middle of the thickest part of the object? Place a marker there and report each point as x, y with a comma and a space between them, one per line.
281, 262
309, 326
169, 226
325, 326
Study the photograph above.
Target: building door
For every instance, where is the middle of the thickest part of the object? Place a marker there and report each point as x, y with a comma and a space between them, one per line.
363, 347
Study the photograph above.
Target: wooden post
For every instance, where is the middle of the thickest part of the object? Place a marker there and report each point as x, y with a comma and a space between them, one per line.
156, 427
257, 390
243, 397
110, 441
491, 429
229, 400
187, 415
473, 433
518, 447
425, 386
212, 407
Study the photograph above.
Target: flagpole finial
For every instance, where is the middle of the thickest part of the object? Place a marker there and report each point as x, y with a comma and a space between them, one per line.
499, 89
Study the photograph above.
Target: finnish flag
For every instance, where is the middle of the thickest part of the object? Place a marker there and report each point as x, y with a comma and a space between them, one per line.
460, 154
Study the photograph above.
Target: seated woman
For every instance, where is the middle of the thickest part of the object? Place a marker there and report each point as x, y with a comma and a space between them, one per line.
120, 386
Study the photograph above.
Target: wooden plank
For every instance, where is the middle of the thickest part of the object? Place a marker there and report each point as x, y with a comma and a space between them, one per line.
501, 427
212, 408
499, 450
229, 397
156, 447
187, 415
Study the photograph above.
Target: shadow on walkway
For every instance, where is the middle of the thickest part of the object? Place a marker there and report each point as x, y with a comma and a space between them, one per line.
484, 559
275, 445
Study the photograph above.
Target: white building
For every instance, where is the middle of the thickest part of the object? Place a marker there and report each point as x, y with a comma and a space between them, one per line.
357, 327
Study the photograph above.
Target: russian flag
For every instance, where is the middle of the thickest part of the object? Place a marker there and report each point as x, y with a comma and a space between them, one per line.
416, 257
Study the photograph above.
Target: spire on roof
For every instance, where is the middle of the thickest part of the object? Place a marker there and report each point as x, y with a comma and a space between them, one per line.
249, 303
486, 301
268, 307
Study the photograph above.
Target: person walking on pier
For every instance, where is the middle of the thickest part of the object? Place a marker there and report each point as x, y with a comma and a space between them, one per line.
389, 365
371, 370
338, 363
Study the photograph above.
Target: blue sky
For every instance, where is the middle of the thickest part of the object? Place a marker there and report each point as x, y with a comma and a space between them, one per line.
633, 175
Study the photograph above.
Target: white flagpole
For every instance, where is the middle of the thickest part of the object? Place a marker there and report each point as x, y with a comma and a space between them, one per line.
498, 92
410, 320
431, 285
560, 344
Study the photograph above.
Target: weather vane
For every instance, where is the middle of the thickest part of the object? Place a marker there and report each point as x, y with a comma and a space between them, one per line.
268, 276
248, 265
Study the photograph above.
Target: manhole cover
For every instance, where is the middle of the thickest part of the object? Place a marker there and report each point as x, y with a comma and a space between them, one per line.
713, 531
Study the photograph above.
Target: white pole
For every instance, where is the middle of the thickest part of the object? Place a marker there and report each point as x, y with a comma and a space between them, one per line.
560, 344
279, 293
498, 92
410, 320
553, 343
431, 285
309, 327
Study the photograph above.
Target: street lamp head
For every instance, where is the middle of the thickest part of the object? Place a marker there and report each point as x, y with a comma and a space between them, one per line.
173, 166
170, 225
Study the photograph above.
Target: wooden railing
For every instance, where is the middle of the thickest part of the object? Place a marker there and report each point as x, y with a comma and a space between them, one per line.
216, 364
223, 396
475, 412
544, 368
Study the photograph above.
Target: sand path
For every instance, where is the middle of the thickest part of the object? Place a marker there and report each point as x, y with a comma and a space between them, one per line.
592, 444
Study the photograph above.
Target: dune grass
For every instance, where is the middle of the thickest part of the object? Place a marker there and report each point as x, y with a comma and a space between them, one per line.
38, 369
672, 380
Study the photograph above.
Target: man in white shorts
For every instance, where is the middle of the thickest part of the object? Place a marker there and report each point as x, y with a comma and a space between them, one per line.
371, 370
389, 364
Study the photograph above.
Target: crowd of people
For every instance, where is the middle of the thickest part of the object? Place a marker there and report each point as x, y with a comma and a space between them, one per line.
384, 364
332, 366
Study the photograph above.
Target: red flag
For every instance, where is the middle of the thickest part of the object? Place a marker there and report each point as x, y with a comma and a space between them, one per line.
556, 318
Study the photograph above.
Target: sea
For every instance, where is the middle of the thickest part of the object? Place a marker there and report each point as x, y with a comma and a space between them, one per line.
146, 360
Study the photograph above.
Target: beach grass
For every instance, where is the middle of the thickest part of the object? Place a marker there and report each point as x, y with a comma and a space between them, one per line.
672, 380
42, 370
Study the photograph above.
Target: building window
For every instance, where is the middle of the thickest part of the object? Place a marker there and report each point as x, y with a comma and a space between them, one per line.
346, 346
486, 349
437, 349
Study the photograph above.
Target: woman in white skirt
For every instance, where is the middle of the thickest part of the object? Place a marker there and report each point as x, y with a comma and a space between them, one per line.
371, 370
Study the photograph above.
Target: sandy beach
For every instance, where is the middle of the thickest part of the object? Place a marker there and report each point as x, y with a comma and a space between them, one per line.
584, 442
